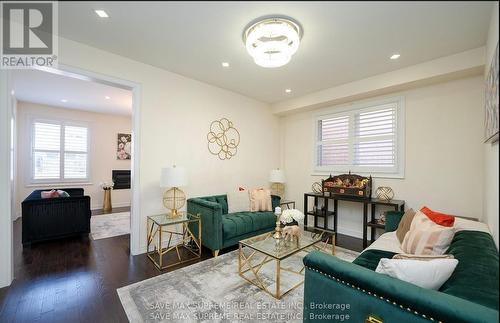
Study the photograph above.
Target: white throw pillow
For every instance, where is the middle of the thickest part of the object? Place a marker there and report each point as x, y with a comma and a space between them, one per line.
425, 237
238, 201
430, 274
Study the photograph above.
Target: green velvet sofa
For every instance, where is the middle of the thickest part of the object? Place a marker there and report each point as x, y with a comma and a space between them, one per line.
335, 289
220, 229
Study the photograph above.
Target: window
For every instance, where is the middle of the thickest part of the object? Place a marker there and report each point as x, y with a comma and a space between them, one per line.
59, 152
365, 139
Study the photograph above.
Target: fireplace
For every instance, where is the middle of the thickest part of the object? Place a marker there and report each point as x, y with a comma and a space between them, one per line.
121, 178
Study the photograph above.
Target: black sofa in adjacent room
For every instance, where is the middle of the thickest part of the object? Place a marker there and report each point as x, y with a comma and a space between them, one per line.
53, 218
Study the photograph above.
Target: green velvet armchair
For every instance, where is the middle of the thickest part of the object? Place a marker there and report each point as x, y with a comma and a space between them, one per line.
220, 229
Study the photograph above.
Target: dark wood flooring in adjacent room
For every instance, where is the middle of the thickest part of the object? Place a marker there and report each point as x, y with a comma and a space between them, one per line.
75, 279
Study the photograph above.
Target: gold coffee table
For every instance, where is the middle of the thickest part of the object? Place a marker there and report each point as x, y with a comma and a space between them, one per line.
165, 227
279, 250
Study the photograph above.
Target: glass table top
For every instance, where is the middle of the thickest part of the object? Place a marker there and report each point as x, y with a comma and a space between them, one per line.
279, 248
168, 219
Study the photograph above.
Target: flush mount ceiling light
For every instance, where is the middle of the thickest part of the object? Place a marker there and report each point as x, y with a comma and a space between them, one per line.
101, 13
394, 56
272, 41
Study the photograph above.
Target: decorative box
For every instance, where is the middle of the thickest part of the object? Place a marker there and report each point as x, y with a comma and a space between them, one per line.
348, 185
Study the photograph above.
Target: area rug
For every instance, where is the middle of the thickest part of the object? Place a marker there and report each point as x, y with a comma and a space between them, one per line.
109, 225
212, 291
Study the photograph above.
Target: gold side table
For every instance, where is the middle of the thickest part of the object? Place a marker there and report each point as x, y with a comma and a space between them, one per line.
182, 232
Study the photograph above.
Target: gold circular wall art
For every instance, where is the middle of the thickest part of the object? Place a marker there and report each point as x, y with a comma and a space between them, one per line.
223, 139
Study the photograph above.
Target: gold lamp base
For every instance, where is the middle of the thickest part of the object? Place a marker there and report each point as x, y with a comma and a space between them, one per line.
278, 189
174, 199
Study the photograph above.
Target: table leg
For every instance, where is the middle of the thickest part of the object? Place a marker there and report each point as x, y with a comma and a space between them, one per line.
372, 229
239, 258
335, 212
315, 215
278, 272
160, 250
365, 214
325, 221
305, 210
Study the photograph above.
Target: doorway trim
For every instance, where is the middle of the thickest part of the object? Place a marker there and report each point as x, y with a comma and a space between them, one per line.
86, 75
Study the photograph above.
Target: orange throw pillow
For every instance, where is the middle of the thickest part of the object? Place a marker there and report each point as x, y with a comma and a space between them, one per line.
439, 218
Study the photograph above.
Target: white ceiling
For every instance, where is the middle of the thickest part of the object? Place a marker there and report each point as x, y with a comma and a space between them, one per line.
342, 42
47, 88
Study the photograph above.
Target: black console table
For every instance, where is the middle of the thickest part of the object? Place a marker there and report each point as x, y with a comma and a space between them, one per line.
399, 205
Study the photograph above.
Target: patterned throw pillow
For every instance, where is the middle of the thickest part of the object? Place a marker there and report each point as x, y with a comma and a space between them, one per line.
404, 224
260, 200
426, 237
238, 201
62, 193
49, 194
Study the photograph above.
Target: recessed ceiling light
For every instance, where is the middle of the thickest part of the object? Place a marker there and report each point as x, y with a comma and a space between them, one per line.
395, 56
107, 97
64, 100
101, 13
288, 90
225, 64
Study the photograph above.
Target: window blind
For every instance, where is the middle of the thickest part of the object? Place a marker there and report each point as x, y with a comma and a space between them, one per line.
374, 138
360, 140
46, 153
60, 152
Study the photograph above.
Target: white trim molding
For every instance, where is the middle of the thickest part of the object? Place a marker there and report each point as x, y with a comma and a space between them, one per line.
6, 254
397, 171
135, 209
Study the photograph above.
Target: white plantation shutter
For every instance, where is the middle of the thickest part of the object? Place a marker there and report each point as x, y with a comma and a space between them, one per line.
75, 152
364, 139
59, 152
334, 135
375, 137
46, 151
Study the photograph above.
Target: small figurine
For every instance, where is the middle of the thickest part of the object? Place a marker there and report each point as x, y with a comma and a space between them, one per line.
291, 232
347, 182
338, 182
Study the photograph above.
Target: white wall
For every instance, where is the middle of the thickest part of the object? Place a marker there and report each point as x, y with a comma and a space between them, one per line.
444, 127
491, 211
103, 130
175, 115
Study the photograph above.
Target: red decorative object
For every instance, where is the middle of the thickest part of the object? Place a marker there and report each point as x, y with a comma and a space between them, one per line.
349, 185
439, 218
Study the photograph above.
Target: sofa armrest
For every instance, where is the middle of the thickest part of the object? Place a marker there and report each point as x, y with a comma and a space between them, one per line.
211, 221
333, 281
392, 219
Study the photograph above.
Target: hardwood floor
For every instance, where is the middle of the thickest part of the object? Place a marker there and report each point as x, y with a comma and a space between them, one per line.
75, 279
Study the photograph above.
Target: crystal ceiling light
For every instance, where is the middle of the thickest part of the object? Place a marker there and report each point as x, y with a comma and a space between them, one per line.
272, 41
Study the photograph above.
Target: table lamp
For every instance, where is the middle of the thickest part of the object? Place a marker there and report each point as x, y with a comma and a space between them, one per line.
173, 177
277, 179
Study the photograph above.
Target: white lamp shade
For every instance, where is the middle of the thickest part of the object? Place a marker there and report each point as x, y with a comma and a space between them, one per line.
173, 177
277, 176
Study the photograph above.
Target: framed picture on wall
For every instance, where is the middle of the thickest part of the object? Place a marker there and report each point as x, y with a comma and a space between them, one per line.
491, 101
124, 146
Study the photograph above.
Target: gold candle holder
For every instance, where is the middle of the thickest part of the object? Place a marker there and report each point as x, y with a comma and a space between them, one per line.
278, 231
